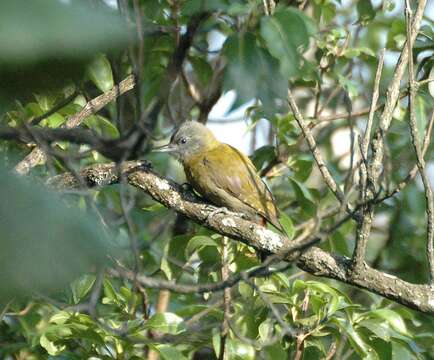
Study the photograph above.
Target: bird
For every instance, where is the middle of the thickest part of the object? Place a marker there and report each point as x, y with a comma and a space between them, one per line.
221, 174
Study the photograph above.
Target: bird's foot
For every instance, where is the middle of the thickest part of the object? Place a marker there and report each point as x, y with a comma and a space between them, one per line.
225, 211
215, 211
144, 164
186, 187
188, 193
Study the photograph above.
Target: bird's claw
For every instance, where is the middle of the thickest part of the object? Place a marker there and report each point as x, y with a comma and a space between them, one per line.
225, 211
186, 187
219, 210
145, 165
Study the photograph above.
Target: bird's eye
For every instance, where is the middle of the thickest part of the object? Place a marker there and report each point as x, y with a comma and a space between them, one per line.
183, 140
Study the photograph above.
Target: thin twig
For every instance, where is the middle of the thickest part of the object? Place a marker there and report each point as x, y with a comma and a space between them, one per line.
372, 108
412, 173
285, 327
367, 209
344, 115
392, 97
54, 109
416, 144
327, 176
37, 156
224, 355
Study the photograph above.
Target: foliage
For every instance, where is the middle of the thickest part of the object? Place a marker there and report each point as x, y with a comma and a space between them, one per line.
328, 51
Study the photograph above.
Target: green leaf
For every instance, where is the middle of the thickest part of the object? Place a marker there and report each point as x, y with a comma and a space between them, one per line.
396, 35
325, 10
285, 33
393, 318
431, 83
100, 73
51, 348
239, 350
58, 332
54, 121
263, 155
102, 126
281, 40
45, 101
351, 53
302, 168
81, 287
51, 42
192, 7
304, 197
52, 247
366, 11
155, 207
245, 290
174, 249
169, 352
287, 224
216, 341
202, 70
276, 351
168, 323
265, 330
198, 242
356, 340
252, 71
110, 293
317, 344
60, 318
349, 85
302, 190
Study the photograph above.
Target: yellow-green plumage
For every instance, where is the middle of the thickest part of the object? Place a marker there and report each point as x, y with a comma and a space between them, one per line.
222, 174
228, 178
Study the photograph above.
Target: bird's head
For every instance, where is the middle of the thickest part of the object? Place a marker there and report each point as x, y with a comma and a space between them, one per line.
189, 140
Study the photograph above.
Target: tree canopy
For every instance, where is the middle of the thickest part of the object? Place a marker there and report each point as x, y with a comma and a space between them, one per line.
106, 253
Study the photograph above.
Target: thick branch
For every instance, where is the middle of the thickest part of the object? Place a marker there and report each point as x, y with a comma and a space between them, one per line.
322, 263
173, 196
313, 260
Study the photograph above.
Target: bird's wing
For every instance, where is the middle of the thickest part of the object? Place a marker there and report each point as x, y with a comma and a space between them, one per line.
234, 173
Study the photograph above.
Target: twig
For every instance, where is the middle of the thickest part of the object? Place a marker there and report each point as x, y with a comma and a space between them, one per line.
224, 355
37, 156
416, 144
392, 97
54, 109
412, 173
344, 115
5, 309
373, 106
299, 347
327, 176
285, 327
367, 210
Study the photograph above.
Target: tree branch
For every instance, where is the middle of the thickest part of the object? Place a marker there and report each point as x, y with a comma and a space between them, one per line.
313, 260
392, 97
416, 144
327, 176
367, 210
37, 156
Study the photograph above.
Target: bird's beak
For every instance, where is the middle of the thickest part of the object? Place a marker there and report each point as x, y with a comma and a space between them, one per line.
165, 148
